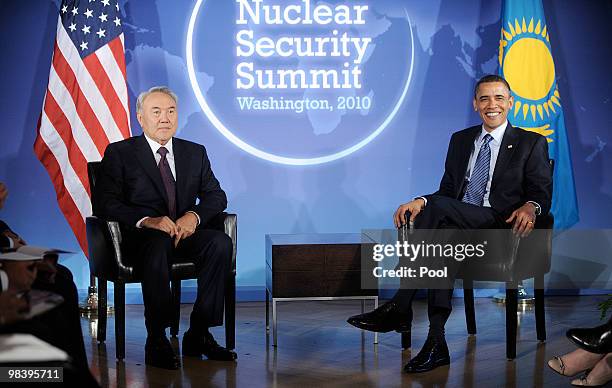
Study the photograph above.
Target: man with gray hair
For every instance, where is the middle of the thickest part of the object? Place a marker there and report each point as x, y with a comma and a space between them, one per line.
150, 184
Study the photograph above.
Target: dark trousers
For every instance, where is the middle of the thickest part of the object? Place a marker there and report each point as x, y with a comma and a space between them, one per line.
152, 253
447, 213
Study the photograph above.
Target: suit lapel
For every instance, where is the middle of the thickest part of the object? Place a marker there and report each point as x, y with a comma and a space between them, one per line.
147, 161
465, 151
506, 150
181, 167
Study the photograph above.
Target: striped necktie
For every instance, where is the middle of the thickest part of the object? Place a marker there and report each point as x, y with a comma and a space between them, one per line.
477, 185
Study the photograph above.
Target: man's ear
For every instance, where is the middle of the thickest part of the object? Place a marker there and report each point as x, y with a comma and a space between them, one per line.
474, 105
139, 118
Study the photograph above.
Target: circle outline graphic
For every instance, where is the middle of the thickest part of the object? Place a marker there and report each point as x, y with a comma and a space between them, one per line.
273, 157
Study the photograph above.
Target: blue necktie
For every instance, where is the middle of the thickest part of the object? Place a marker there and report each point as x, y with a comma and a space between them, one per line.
168, 179
477, 185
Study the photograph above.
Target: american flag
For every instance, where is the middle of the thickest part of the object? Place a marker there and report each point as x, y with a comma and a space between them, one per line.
86, 103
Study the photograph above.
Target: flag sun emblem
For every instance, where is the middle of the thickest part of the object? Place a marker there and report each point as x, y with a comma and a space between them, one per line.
527, 62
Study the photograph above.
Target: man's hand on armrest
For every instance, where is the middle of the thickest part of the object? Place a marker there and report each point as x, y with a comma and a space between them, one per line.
523, 219
414, 207
165, 224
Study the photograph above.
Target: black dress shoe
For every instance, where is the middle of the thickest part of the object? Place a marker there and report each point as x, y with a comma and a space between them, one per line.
433, 355
595, 340
159, 353
384, 319
198, 345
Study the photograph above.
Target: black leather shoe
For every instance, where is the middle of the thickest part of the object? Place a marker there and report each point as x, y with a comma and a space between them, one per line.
196, 346
159, 353
595, 340
433, 354
384, 319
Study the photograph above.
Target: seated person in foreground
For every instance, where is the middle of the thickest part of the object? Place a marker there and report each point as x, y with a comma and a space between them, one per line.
151, 184
495, 175
60, 326
593, 356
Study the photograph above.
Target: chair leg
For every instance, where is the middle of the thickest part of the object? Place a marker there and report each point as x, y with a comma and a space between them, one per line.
267, 309
539, 307
470, 313
102, 310
176, 307
120, 320
406, 340
511, 321
230, 313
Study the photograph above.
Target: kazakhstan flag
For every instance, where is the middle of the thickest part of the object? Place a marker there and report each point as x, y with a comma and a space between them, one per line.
526, 62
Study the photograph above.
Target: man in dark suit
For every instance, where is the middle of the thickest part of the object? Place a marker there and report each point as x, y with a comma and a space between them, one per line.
151, 184
495, 176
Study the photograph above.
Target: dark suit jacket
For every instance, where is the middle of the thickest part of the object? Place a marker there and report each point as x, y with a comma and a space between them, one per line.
131, 186
4, 241
522, 172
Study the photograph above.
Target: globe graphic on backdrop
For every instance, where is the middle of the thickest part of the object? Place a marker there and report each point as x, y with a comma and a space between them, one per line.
299, 125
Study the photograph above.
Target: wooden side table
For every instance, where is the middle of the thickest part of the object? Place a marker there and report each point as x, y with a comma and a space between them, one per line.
310, 267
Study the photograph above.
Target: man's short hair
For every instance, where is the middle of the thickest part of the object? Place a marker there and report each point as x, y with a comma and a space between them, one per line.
155, 89
490, 78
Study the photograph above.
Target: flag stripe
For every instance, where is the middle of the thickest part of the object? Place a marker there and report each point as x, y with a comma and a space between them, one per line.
105, 86
116, 78
71, 181
65, 201
66, 107
118, 52
117, 48
60, 124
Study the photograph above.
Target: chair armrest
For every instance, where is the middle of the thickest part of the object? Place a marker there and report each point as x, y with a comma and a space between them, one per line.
535, 252
104, 247
228, 223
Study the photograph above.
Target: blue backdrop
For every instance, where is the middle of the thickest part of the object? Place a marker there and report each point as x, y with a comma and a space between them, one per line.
454, 44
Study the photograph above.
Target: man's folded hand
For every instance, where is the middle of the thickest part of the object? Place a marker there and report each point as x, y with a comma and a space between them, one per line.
186, 226
165, 224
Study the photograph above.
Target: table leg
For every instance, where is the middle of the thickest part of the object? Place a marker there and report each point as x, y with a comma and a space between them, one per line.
274, 321
267, 310
375, 307
362, 306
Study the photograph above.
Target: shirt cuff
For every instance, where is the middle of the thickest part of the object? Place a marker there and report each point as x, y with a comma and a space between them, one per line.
195, 214
11, 243
424, 199
4, 280
537, 206
140, 222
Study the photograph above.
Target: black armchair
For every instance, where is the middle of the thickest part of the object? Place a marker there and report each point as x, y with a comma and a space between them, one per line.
526, 258
107, 263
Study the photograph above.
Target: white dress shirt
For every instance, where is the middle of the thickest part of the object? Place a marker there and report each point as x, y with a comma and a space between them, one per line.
494, 145
170, 158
